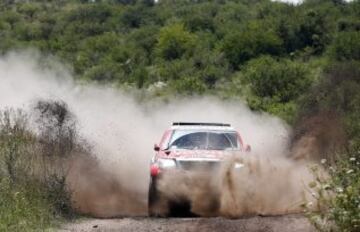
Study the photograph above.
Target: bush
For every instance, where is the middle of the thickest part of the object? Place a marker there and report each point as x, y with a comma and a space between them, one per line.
241, 46
272, 85
346, 46
339, 196
22, 202
313, 30
33, 191
338, 91
281, 80
174, 41
189, 86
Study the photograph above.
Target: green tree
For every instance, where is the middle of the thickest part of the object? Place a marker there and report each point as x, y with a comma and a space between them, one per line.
346, 46
241, 46
281, 80
174, 41
314, 29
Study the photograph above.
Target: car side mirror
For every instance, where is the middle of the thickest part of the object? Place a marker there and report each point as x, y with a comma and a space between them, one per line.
247, 148
156, 147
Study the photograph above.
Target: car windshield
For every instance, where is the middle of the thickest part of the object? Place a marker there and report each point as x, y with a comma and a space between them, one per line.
204, 140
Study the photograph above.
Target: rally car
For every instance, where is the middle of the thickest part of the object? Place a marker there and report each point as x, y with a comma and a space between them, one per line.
187, 146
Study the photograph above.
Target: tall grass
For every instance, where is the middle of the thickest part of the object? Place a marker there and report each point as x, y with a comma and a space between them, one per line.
34, 151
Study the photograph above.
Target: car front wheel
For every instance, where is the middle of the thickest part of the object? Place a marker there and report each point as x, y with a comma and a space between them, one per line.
153, 198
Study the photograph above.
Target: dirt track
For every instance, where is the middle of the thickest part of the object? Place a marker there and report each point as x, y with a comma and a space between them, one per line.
293, 223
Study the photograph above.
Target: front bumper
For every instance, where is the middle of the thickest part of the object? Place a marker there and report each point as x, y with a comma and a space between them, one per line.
193, 165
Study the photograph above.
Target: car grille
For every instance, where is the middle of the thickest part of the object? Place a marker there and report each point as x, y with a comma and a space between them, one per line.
197, 165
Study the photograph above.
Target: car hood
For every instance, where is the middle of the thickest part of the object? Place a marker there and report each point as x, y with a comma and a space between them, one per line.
195, 154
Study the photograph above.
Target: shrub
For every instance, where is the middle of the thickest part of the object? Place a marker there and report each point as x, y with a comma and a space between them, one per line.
339, 91
33, 168
339, 196
241, 46
189, 85
313, 30
281, 80
346, 46
22, 202
133, 16
174, 41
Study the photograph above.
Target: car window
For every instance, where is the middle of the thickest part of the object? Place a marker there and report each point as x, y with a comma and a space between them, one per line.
218, 141
203, 140
196, 140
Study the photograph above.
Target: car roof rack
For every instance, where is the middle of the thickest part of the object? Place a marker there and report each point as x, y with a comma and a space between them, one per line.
199, 124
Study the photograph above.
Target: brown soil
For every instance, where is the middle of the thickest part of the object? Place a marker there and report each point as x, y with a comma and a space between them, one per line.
293, 223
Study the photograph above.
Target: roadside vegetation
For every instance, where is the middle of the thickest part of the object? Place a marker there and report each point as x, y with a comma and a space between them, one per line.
338, 93
33, 193
292, 61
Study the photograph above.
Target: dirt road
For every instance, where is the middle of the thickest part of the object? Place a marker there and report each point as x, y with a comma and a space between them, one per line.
293, 223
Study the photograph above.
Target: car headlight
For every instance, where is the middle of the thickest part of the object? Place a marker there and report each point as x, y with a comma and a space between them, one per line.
167, 163
238, 165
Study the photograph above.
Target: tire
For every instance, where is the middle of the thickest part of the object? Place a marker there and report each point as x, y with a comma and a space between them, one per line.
181, 208
158, 206
153, 198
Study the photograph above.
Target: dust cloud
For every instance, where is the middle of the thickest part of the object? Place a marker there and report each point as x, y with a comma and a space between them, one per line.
244, 185
121, 131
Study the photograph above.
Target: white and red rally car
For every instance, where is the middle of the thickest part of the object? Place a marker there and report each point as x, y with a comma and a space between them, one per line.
186, 146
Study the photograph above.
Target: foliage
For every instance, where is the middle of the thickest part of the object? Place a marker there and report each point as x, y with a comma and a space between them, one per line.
241, 46
273, 85
33, 190
283, 59
23, 208
346, 46
139, 43
339, 195
338, 91
174, 41
282, 80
